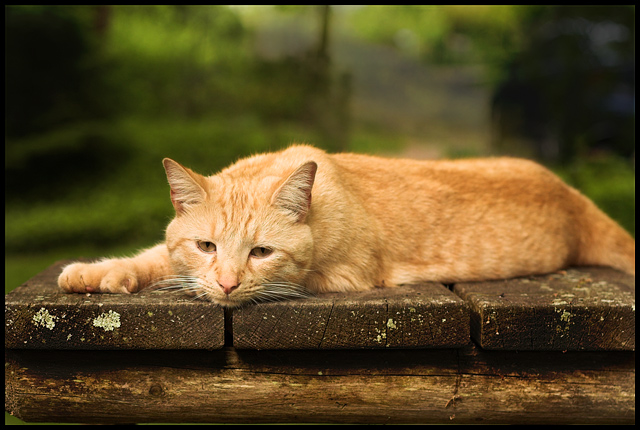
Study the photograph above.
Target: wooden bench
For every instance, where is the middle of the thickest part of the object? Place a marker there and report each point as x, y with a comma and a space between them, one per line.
557, 348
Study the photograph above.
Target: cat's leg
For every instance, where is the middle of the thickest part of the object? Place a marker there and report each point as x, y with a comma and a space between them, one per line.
117, 275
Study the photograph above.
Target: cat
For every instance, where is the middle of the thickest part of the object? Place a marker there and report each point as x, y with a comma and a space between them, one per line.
303, 220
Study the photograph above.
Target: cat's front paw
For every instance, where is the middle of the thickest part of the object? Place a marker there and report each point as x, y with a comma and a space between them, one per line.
110, 276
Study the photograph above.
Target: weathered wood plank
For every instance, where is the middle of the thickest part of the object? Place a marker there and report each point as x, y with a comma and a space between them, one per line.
415, 316
464, 385
578, 309
39, 315
585, 309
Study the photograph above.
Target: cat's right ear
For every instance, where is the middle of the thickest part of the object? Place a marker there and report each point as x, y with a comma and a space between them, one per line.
186, 186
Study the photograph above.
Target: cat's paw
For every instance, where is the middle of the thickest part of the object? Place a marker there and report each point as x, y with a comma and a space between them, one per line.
109, 276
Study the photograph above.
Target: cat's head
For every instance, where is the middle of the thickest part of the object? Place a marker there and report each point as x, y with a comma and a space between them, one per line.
241, 238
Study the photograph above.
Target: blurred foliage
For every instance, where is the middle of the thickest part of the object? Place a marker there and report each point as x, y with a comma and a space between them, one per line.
177, 60
564, 75
570, 90
445, 34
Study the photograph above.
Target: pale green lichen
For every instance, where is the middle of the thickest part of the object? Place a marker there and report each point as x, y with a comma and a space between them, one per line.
44, 319
108, 321
382, 335
566, 316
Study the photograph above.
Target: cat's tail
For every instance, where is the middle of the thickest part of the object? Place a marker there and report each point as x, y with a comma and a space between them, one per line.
603, 242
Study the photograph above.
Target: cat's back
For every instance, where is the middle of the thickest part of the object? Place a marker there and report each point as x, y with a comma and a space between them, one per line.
387, 180
491, 167
275, 164
380, 169
392, 179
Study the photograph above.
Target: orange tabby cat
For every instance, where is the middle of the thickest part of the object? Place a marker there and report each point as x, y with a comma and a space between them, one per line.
278, 224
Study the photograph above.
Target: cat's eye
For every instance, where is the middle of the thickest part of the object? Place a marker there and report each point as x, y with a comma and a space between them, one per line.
206, 246
261, 252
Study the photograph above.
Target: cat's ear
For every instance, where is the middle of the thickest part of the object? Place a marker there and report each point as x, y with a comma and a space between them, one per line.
186, 185
294, 195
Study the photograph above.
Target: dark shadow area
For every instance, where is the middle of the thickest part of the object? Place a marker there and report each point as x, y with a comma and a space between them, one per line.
56, 173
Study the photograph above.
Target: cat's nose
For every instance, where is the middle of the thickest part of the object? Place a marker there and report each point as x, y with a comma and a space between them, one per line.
228, 285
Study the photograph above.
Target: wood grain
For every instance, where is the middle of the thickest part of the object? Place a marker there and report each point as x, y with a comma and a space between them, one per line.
39, 315
412, 316
578, 309
464, 385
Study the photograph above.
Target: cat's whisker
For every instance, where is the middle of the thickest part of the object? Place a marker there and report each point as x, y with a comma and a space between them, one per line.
172, 287
283, 294
288, 287
265, 292
274, 291
177, 289
199, 296
173, 278
179, 284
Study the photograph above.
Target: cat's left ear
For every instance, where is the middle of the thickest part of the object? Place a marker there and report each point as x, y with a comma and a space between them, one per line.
294, 195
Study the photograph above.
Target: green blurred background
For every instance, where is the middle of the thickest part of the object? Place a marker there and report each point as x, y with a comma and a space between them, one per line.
96, 96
